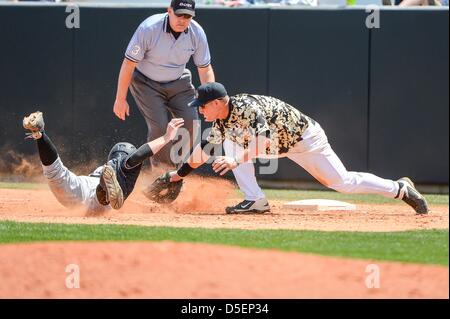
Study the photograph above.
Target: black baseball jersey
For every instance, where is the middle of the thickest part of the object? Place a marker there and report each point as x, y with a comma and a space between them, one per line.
252, 115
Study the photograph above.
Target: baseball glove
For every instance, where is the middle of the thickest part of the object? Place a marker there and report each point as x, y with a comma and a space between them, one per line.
162, 190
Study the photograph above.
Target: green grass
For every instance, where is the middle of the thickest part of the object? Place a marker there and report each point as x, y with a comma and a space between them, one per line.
425, 246
22, 185
289, 195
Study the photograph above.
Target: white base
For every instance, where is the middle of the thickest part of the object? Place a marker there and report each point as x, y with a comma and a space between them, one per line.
319, 205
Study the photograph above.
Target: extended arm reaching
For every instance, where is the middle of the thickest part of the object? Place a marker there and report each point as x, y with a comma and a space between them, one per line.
153, 147
199, 156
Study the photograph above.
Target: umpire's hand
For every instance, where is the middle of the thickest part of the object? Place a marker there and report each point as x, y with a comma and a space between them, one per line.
121, 109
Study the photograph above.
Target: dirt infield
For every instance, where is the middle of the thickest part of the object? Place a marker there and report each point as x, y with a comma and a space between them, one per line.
196, 209
183, 270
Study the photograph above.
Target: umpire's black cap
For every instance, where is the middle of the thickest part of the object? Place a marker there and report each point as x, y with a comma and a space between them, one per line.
208, 92
183, 7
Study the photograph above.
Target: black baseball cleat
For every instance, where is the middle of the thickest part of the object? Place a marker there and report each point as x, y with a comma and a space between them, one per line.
109, 182
410, 195
35, 124
249, 206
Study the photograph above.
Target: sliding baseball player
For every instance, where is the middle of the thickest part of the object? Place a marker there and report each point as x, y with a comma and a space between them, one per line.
109, 185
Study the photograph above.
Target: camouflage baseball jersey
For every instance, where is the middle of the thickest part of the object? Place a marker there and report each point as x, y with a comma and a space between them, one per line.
252, 115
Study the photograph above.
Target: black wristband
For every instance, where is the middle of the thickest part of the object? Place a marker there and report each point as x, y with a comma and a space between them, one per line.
184, 170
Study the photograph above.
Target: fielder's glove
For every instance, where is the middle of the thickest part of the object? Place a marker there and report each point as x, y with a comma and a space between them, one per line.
162, 190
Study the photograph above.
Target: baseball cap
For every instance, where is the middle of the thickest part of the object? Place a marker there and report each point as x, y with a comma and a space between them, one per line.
208, 92
183, 7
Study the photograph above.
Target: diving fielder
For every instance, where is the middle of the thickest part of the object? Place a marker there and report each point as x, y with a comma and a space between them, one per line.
252, 126
109, 185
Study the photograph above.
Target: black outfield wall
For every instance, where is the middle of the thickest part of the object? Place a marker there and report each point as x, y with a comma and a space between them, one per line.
408, 120
36, 64
319, 63
380, 94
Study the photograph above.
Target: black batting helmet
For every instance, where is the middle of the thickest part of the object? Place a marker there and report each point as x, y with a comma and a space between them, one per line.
122, 148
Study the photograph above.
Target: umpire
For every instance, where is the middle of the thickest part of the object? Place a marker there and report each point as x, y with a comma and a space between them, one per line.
154, 68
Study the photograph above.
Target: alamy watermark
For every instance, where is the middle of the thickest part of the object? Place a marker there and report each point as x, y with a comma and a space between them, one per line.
373, 276
373, 19
73, 19
181, 149
73, 278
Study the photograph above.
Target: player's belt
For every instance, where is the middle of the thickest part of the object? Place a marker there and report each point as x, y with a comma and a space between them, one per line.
162, 82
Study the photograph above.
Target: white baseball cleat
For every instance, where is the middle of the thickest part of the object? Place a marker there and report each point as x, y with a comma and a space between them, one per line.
114, 193
249, 206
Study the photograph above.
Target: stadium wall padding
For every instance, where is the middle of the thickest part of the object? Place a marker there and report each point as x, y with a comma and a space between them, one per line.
408, 120
380, 94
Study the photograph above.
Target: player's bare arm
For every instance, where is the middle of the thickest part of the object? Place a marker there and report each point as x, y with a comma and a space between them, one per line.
151, 148
121, 107
197, 159
171, 132
206, 74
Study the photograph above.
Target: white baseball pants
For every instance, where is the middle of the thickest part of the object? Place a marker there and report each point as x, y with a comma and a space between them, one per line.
71, 190
316, 156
